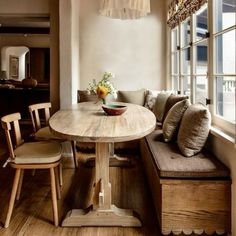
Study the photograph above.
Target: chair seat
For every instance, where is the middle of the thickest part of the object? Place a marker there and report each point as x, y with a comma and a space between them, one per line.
45, 134
38, 153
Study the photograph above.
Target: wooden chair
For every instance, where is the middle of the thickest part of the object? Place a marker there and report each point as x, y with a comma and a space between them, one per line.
31, 155
44, 133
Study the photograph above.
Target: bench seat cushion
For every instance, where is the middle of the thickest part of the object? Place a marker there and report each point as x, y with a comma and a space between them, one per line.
172, 164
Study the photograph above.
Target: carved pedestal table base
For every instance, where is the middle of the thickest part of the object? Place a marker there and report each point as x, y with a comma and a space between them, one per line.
102, 212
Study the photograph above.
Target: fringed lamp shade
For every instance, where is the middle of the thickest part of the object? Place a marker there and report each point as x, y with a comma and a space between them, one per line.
124, 9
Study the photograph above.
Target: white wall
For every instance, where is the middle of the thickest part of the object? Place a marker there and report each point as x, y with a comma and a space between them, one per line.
134, 50
75, 50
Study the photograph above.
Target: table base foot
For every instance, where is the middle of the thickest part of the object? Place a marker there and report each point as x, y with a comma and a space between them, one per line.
111, 217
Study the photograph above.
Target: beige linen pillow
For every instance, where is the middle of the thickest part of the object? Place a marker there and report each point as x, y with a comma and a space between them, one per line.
194, 129
135, 97
159, 107
173, 118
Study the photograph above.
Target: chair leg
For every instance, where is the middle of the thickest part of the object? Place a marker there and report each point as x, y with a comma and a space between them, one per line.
13, 197
54, 196
73, 145
57, 182
60, 174
20, 185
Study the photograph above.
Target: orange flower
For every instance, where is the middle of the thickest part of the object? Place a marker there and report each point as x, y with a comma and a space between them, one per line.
102, 91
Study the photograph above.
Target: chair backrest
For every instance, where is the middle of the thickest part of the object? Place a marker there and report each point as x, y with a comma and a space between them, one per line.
8, 122
35, 115
83, 96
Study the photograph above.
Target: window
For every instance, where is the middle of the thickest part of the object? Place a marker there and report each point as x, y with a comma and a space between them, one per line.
175, 59
224, 72
205, 64
201, 23
185, 32
185, 57
200, 55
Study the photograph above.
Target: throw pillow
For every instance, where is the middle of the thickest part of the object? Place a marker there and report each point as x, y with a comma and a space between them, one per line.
150, 99
135, 97
171, 101
194, 129
84, 96
173, 118
160, 104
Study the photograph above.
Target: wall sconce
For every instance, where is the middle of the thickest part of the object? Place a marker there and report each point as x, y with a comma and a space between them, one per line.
124, 9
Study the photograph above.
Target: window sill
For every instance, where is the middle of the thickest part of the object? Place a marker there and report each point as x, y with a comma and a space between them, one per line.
222, 135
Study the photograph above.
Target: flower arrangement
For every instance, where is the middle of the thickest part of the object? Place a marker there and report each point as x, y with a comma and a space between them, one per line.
103, 87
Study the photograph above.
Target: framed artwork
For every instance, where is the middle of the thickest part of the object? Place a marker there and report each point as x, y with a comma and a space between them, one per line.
13, 67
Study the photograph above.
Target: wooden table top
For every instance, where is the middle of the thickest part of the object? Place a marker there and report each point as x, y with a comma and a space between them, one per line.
87, 122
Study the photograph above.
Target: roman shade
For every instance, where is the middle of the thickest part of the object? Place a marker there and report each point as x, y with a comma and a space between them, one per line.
179, 10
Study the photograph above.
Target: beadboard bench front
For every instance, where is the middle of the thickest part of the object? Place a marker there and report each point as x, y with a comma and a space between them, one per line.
190, 195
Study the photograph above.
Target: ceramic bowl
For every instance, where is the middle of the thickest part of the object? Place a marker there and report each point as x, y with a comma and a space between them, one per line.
114, 110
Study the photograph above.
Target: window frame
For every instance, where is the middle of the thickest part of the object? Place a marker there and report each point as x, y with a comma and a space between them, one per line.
219, 121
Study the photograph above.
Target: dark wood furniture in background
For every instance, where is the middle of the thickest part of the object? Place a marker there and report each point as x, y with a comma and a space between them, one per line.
18, 99
39, 64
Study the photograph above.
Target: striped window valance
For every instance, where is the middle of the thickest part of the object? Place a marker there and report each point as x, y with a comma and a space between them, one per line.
179, 10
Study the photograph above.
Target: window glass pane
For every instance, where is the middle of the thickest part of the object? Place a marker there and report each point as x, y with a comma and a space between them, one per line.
174, 39
175, 83
224, 14
185, 58
175, 63
225, 53
185, 33
201, 23
225, 97
186, 86
201, 58
201, 89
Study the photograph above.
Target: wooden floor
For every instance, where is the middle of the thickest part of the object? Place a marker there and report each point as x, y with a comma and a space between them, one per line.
32, 214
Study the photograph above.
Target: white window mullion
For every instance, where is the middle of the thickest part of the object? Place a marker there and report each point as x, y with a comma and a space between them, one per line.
211, 88
192, 58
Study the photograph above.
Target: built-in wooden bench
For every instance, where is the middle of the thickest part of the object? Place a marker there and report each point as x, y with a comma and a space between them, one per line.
191, 195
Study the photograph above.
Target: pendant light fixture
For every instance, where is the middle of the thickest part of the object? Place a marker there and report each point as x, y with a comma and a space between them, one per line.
124, 9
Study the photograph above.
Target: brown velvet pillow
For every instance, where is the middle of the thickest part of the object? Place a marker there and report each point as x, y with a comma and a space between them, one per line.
194, 129
171, 101
173, 118
84, 96
159, 107
135, 97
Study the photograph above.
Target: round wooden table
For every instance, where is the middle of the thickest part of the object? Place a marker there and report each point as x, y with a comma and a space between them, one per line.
87, 122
